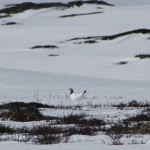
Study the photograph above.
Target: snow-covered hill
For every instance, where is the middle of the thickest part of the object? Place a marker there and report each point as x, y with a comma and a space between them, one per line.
46, 27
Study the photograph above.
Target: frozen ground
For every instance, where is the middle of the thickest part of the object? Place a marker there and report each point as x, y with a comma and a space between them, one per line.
32, 75
53, 88
85, 145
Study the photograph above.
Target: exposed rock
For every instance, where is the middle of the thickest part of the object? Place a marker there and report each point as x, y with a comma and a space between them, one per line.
18, 8
143, 56
112, 37
122, 63
44, 46
10, 23
53, 55
83, 14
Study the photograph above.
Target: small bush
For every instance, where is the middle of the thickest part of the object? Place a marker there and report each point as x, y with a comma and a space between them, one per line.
48, 139
115, 138
120, 105
133, 103
116, 128
45, 129
145, 128
5, 129
82, 130
73, 118
81, 119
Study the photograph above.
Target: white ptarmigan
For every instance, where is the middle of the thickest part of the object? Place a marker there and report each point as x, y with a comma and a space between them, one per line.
76, 96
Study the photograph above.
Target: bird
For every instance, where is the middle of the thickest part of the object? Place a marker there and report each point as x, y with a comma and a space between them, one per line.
76, 96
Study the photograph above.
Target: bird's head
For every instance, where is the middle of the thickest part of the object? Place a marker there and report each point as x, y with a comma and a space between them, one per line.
84, 91
71, 90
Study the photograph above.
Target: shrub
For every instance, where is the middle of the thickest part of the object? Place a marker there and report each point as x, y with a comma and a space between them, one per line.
5, 129
48, 139
20, 111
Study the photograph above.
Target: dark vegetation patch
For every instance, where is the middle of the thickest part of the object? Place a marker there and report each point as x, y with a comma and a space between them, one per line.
139, 118
5, 129
44, 46
122, 63
48, 139
16, 105
46, 133
80, 3
10, 23
18, 8
59, 129
132, 125
19, 105
20, 111
51, 132
132, 103
86, 38
112, 37
81, 120
143, 56
115, 138
87, 42
90, 42
75, 15
4, 16
52, 55
78, 128
144, 128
